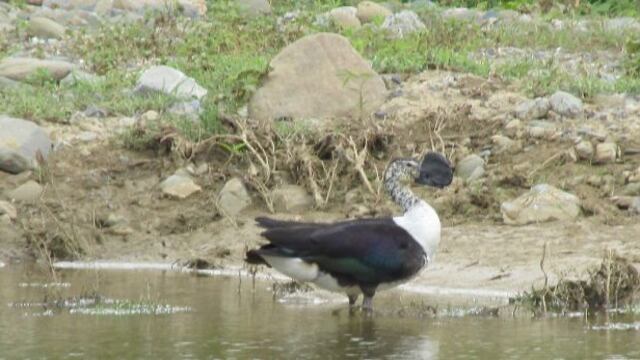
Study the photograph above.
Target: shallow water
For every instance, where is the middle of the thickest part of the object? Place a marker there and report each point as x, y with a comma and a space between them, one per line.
175, 315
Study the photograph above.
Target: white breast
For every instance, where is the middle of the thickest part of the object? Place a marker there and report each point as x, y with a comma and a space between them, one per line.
423, 224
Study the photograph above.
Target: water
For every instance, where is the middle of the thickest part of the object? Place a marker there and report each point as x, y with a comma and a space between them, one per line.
173, 315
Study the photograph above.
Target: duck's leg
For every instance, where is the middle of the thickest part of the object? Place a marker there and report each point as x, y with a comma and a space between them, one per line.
352, 300
367, 301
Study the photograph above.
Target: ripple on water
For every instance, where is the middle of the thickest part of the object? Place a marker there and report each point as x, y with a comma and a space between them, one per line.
617, 326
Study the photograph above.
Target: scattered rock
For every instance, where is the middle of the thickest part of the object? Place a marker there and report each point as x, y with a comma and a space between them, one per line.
584, 150
514, 128
368, 11
291, 198
461, 14
254, 7
634, 176
470, 168
635, 206
307, 80
169, 81
606, 152
233, 198
403, 23
45, 28
542, 203
631, 189
566, 104
540, 129
28, 192
179, 185
9, 210
533, 109
626, 24
188, 109
344, 17
20, 142
20, 69
78, 76
503, 144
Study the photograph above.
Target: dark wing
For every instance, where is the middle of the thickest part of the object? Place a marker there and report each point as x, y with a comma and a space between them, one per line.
367, 251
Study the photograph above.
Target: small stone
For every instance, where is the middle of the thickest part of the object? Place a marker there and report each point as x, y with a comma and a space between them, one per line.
539, 129
291, 198
566, 104
169, 81
634, 176
20, 142
461, 14
584, 150
402, 23
7, 209
368, 11
150, 116
514, 128
45, 28
542, 203
606, 152
533, 109
470, 168
28, 192
503, 144
190, 110
233, 198
635, 206
254, 7
179, 186
78, 76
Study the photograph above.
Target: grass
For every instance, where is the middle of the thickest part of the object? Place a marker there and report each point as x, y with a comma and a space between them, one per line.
229, 55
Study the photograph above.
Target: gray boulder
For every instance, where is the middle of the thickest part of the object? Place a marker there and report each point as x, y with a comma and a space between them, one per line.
20, 141
533, 109
470, 168
542, 203
233, 198
318, 76
403, 23
169, 81
254, 7
566, 104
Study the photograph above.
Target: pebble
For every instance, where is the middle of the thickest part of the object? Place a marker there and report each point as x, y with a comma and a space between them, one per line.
533, 109
179, 186
9, 210
20, 142
584, 150
169, 81
291, 198
542, 203
566, 104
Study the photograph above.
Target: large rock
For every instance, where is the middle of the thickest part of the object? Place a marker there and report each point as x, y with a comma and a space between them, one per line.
169, 81
542, 203
291, 198
606, 152
45, 28
20, 141
566, 104
403, 23
20, 69
369, 11
233, 198
311, 79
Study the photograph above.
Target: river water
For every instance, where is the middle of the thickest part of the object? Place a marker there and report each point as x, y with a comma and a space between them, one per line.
110, 314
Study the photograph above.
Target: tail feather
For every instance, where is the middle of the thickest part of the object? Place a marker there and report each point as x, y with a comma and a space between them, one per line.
269, 223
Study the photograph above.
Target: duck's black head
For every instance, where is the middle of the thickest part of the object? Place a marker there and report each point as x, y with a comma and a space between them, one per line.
435, 170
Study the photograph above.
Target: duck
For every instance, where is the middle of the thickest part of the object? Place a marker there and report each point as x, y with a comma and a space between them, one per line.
362, 256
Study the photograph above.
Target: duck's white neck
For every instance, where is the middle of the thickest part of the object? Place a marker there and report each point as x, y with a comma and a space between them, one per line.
420, 220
